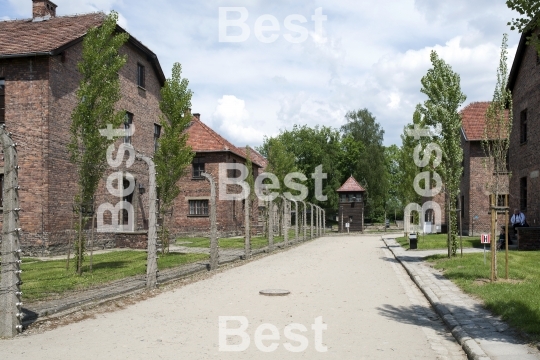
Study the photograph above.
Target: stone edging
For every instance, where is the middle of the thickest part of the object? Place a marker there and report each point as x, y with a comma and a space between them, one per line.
469, 345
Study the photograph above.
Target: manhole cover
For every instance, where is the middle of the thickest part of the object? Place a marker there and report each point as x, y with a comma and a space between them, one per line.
274, 292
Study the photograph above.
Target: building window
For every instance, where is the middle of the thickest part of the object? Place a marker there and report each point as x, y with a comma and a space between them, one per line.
198, 168
2, 101
523, 193
501, 200
198, 207
128, 122
523, 127
140, 76
157, 135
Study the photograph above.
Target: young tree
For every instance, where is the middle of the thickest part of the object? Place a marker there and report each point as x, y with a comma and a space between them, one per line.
442, 87
98, 92
529, 20
496, 138
173, 154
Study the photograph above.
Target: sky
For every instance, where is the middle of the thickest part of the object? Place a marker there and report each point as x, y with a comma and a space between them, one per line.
309, 62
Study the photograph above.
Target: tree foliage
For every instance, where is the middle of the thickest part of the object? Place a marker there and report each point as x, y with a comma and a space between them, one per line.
173, 154
442, 87
99, 91
309, 148
529, 20
370, 167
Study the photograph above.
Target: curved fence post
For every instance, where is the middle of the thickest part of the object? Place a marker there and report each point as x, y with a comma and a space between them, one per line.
304, 220
295, 220
151, 267
323, 222
311, 223
214, 252
10, 293
270, 225
286, 215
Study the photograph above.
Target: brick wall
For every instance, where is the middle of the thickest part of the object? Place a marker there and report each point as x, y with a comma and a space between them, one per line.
40, 97
477, 179
230, 214
525, 158
529, 238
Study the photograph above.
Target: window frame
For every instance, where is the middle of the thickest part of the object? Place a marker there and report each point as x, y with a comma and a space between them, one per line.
197, 167
523, 126
128, 122
141, 76
157, 135
198, 208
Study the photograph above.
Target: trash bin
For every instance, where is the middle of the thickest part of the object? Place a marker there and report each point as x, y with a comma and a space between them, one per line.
413, 241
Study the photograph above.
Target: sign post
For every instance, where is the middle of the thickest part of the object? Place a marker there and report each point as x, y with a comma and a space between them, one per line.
347, 226
485, 239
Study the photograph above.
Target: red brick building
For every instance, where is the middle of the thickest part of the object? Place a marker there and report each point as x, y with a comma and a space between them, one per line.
351, 205
38, 82
524, 154
477, 172
191, 208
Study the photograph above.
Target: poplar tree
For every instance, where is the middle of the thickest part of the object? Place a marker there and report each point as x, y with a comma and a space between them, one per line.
98, 92
173, 154
496, 137
442, 87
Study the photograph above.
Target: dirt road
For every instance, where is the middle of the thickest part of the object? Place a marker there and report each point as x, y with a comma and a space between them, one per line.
361, 302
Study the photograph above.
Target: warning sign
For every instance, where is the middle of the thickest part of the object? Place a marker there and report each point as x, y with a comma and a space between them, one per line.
485, 238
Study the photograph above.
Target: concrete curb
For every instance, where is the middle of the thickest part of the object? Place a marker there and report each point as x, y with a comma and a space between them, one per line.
469, 345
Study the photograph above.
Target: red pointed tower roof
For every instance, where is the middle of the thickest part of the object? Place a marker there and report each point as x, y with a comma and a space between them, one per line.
351, 185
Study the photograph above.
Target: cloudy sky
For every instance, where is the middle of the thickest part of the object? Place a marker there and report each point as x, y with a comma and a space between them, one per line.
365, 54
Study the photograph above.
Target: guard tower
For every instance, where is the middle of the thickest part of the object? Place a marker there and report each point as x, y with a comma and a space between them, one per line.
351, 206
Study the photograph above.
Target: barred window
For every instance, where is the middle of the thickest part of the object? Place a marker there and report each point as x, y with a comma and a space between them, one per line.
198, 207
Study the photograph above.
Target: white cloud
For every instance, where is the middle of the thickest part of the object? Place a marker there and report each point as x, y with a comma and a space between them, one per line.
233, 121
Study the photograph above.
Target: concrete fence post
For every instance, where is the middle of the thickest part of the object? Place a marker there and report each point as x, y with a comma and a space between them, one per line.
270, 226
152, 266
304, 220
214, 252
311, 224
10, 278
323, 223
295, 220
286, 215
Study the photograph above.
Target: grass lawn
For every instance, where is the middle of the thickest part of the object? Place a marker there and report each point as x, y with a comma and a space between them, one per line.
257, 242
517, 300
438, 241
42, 279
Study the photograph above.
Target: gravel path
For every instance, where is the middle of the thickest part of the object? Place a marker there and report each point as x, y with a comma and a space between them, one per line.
369, 305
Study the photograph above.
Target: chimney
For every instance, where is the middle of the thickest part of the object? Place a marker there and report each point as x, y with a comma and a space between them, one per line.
197, 115
43, 8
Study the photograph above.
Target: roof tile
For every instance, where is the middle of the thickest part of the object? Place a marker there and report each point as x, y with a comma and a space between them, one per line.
25, 36
351, 185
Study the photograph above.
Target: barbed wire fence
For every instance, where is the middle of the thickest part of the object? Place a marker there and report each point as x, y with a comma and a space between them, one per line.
10, 279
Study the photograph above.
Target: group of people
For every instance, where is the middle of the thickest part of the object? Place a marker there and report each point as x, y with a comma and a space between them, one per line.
517, 220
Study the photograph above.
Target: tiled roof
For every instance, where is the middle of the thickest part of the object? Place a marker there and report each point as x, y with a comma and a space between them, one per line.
351, 185
203, 139
473, 118
255, 156
20, 37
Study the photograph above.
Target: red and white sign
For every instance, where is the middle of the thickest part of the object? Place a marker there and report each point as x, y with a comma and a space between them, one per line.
485, 238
